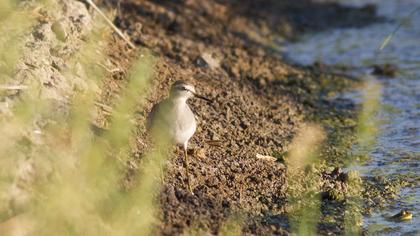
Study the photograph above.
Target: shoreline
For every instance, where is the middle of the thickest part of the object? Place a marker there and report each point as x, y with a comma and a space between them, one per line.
245, 72
261, 104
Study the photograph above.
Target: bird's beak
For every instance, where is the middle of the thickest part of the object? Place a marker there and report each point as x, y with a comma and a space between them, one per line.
202, 97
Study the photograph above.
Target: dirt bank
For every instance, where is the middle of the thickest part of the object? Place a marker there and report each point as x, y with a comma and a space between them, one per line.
44, 37
228, 49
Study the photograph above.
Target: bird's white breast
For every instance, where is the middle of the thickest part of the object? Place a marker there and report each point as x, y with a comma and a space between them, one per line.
175, 119
184, 124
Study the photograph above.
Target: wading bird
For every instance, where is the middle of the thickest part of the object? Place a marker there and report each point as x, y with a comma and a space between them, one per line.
173, 119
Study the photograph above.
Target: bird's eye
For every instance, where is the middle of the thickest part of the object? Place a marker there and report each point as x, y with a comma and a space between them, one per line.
184, 88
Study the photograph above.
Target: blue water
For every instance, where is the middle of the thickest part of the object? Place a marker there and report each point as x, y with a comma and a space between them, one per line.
397, 147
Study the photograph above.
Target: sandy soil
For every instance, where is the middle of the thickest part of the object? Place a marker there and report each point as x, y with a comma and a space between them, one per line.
52, 38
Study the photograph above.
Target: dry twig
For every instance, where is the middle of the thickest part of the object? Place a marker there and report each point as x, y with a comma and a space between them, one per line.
118, 31
13, 87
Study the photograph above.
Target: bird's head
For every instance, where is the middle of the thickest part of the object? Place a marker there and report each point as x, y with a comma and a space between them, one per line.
182, 89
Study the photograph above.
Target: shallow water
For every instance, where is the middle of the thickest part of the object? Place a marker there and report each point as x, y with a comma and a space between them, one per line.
397, 147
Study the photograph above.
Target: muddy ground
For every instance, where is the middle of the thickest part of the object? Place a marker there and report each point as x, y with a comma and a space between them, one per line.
229, 50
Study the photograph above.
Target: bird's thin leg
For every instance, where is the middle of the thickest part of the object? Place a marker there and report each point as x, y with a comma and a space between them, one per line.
161, 165
186, 165
162, 173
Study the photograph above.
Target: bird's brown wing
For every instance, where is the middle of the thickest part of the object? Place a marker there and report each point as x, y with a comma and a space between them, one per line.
155, 115
150, 118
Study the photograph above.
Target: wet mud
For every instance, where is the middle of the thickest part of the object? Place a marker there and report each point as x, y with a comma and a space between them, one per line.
229, 50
